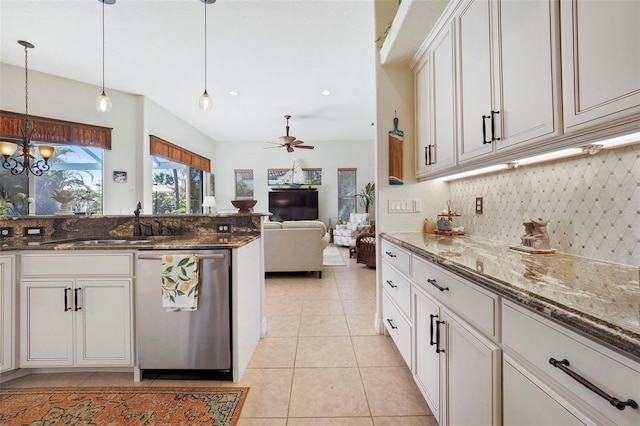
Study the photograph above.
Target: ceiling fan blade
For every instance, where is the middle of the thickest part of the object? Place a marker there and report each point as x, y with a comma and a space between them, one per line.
289, 149
275, 143
269, 147
305, 146
297, 142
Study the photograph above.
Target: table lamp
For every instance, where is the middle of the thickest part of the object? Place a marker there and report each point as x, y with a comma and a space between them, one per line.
209, 203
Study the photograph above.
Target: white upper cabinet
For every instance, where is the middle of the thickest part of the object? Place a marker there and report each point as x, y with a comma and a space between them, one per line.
507, 71
435, 105
474, 72
600, 61
422, 116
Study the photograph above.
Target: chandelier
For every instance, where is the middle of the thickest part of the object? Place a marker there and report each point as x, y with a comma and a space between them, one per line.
26, 160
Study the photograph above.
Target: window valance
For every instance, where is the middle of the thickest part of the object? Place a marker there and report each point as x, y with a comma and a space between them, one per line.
52, 130
173, 152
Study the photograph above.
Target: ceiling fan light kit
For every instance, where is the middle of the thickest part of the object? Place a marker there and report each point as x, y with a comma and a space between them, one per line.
290, 142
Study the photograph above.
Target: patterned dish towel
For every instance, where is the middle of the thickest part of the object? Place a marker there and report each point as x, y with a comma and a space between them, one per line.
180, 282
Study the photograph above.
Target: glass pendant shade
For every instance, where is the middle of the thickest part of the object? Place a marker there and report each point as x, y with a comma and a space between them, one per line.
8, 148
205, 102
46, 151
103, 103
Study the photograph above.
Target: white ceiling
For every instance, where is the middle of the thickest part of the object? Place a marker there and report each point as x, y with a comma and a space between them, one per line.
279, 55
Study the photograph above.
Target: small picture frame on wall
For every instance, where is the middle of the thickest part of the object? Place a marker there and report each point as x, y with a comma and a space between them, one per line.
119, 176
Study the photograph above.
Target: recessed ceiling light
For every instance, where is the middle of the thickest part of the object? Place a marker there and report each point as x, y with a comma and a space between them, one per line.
326, 93
233, 93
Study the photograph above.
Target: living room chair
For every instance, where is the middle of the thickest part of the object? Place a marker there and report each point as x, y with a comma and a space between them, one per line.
345, 234
366, 249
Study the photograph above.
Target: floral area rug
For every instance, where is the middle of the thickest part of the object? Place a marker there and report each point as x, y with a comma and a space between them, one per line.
121, 406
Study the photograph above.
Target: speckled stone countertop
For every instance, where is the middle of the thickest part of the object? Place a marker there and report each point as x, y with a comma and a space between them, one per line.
182, 242
599, 299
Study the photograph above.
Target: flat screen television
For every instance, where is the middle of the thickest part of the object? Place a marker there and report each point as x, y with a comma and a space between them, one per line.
293, 204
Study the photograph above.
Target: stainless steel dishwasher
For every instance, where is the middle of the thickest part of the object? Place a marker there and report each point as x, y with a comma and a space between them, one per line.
184, 342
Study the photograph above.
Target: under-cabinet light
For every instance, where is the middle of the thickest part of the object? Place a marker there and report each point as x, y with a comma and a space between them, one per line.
569, 152
481, 171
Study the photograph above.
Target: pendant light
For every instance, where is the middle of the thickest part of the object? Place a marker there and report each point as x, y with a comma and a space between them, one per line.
103, 103
205, 101
26, 161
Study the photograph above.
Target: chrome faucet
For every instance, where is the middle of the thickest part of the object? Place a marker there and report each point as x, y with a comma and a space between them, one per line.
137, 229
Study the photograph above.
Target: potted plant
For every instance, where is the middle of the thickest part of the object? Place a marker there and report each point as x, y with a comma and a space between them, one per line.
368, 196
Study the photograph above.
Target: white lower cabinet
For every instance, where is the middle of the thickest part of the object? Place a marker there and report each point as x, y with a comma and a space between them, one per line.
456, 366
76, 320
427, 349
564, 361
398, 327
528, 402
7, 315
472, 375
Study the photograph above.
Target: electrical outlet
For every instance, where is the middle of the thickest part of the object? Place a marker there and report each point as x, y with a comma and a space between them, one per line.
479, 205
6, 232
224, 228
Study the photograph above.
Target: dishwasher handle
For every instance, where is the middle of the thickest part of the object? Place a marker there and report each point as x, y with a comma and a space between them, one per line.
200, 256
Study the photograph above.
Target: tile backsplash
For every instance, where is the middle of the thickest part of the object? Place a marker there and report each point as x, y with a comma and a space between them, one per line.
592, 203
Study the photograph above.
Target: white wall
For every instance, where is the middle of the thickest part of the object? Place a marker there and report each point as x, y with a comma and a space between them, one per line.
132, 118
328, 155
394, 95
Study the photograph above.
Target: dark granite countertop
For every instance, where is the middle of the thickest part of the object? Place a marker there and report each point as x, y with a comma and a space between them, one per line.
181, 242
599, 299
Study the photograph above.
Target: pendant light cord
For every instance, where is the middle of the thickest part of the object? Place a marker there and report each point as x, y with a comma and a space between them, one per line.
102, 1
205, 46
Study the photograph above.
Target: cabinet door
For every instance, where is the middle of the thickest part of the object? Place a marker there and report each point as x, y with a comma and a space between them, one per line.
600, 61
7, 320
423, 117
103, 321
527, 403
427, 360
46, 323
527, 76
474, 73
472, 375
443, 120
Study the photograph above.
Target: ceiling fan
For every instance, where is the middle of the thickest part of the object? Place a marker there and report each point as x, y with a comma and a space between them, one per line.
289, 142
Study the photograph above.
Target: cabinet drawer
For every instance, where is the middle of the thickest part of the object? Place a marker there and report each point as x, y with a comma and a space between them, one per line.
396, 256
538, 340
469, 301
67, 264
398, 327
398, 287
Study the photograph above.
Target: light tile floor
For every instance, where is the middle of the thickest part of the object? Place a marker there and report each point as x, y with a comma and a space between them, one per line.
321, 363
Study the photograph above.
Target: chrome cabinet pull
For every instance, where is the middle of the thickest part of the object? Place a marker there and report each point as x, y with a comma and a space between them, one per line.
620, 405
388, 253
391, 284
391, 324
66, 300
493, 132
75, 299
435, 284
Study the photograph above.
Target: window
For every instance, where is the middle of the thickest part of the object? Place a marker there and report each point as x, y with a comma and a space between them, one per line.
75, 168
244, 183
177, 178
177, 189
346, 193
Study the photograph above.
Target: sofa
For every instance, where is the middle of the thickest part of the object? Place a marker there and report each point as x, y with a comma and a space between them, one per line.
345, 234
295, 245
